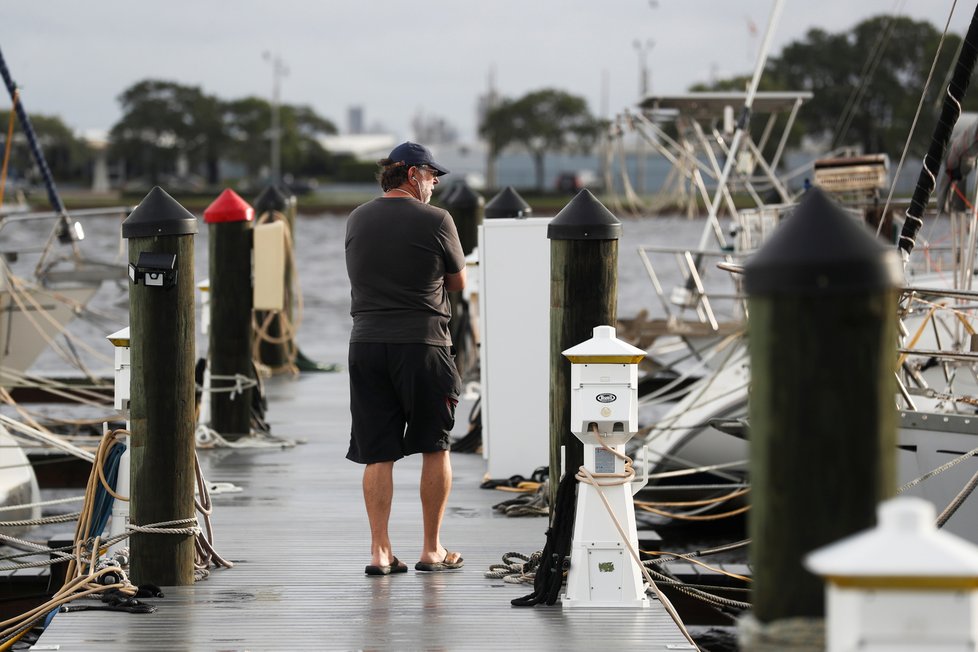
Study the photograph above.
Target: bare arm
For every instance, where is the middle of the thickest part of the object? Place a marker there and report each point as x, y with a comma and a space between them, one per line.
455, 282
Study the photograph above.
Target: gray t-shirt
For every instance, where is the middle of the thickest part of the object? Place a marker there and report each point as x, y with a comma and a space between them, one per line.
397, 254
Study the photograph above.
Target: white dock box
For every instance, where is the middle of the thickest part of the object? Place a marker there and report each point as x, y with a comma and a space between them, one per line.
514, 321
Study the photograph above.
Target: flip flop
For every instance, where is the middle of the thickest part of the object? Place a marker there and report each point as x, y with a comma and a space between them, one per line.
396, 566
443, 565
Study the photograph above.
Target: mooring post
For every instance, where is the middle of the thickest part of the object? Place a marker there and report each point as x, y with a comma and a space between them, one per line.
583, 294
822, 333
271, 205
507, 203
161, 317
465, 206
230, 335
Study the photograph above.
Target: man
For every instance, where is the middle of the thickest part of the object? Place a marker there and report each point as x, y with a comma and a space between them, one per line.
403, 257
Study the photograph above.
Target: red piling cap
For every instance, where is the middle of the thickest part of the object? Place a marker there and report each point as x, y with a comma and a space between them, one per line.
229, 207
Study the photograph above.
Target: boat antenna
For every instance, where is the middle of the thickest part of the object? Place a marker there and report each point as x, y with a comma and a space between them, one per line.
64, 229
742, 124
950, 111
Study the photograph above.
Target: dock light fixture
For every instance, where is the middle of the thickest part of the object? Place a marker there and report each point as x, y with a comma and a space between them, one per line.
154, 270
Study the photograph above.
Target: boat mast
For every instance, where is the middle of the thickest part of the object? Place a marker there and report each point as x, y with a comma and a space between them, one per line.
950, 111
742, 123
64, 231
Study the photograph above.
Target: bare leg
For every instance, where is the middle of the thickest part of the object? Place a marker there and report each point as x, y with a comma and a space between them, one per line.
378, 492
436, 484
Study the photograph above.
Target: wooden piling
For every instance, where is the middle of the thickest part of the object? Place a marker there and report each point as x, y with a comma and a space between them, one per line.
229, 353
822, 335
466, 207
162, 390
583, 294
272, 351
507, 203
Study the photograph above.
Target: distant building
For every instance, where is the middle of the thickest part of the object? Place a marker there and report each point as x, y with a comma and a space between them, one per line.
363, 147
354, 120
433, 130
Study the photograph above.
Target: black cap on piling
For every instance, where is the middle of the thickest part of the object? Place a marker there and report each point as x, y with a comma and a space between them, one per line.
446, 194
270, 199
158, 214
584, 218
820, 249
464, 197
507, 203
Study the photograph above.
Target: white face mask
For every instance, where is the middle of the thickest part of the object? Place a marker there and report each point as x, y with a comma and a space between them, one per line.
425, 186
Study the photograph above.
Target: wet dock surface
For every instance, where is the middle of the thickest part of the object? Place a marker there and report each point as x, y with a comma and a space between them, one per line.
298, 536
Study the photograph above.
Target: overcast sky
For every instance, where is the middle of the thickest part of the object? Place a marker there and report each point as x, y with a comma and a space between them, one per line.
397, 58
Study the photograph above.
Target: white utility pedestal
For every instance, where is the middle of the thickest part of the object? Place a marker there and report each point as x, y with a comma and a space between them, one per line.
904, 585
123, 366
604, 416
514, 355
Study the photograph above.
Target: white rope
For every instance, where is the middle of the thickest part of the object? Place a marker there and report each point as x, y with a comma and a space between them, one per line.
45, 503
164, 527
207, 437
241, 383
625, 476
47, 438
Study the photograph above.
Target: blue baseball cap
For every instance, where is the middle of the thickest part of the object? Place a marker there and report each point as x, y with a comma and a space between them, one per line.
414, 154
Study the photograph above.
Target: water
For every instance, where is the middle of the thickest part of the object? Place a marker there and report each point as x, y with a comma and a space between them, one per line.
324, 320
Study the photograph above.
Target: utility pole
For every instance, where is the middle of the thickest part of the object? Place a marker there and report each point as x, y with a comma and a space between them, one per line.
279, 70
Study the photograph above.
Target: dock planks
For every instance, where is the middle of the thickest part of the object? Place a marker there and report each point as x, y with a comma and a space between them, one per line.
299, 538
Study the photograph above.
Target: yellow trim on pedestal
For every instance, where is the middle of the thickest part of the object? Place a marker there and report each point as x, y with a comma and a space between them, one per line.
606, 359
910, 583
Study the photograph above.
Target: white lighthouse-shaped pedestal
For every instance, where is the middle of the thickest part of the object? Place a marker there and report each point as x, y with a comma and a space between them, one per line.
604, 416
904, 585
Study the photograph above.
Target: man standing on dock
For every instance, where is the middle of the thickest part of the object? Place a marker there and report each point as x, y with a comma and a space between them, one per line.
403, 257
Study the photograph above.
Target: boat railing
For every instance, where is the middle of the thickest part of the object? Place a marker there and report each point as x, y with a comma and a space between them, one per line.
23, 235
693, 298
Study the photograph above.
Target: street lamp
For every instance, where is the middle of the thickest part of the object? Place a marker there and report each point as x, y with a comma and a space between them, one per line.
279, 70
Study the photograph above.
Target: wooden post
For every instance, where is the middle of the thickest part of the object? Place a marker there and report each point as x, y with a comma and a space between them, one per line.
583, 294
272, 353
466, 207
822, 337
507, 203
229, 353
161, 313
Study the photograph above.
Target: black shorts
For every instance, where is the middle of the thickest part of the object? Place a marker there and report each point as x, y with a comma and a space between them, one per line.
402, 400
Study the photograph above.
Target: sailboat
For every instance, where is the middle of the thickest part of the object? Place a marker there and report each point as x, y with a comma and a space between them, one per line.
46, 280
707, 431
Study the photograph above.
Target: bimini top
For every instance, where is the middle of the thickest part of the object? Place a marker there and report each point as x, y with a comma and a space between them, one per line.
712, 103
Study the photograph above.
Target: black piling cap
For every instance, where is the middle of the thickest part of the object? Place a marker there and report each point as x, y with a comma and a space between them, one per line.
584, 218
464, 197
820, 249
158, 214
507, 203
270, 199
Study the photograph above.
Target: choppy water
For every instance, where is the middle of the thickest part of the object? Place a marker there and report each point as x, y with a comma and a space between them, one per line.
325, 320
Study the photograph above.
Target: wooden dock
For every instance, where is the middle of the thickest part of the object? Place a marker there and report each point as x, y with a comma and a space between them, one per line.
298, 537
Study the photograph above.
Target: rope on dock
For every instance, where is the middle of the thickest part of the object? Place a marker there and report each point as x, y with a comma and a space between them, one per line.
207, 437
516, 568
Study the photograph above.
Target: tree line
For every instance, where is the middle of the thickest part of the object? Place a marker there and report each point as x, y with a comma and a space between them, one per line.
866, 83
167, 126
